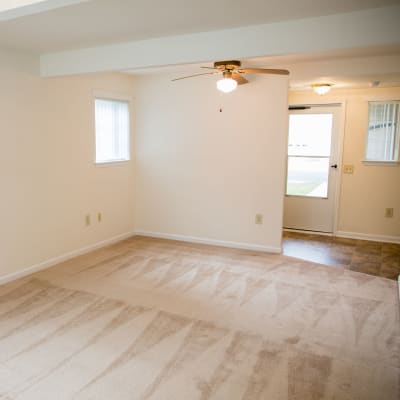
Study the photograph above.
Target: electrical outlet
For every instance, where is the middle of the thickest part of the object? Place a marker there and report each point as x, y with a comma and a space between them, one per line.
259, 219
87, 219
99, 217
348, 169
389, 212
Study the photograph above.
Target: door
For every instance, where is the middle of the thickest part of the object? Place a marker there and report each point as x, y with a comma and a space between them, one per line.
312, 168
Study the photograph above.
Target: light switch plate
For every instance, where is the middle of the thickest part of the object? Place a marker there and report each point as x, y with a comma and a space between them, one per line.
348, 169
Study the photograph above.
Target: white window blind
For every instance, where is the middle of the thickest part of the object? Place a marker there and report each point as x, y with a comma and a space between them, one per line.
383, 132
112, 130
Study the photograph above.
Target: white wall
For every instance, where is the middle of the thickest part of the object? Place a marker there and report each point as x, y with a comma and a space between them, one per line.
48, 179
372, 188
204, 173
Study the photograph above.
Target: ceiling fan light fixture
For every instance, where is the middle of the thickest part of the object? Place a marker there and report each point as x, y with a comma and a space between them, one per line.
226, 85
321, 88
232, 74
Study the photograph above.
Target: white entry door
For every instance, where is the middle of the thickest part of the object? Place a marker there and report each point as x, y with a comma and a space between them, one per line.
312, 168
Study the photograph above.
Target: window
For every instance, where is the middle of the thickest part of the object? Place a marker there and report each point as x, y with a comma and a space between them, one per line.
383, 136
309, 152
112, 130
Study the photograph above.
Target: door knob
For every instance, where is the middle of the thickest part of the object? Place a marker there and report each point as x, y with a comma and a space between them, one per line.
334, 166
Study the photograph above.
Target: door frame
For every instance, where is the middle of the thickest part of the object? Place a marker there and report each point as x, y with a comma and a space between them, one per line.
340, 143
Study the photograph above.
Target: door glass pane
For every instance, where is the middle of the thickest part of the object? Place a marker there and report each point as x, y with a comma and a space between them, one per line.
307, 176
310, 134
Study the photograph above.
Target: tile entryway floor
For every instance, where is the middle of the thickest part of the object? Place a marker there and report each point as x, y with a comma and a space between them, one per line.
374, 258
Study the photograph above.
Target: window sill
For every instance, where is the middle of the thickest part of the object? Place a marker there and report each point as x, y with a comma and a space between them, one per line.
100, 163
381, 163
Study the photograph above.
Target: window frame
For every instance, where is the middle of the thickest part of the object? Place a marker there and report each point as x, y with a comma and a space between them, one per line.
394, 162
111, 96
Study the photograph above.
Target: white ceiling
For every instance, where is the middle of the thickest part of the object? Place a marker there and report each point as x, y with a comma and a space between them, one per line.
98, 22
12, 9
13, 4
72, 36
355, 68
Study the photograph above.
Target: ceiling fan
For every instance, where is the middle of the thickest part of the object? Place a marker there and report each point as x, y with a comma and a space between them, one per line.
232, 74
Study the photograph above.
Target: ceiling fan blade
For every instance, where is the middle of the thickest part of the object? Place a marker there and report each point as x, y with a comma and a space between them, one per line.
209, 67
192, 76
239, 78
264, 71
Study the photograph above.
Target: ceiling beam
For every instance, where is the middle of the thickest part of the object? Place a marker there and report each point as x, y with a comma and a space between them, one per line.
12, 9
375, 27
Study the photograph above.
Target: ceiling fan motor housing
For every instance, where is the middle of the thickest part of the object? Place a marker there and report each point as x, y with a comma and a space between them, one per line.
227, 65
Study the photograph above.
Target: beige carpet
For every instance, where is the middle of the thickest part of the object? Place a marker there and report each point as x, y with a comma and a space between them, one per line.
152, 319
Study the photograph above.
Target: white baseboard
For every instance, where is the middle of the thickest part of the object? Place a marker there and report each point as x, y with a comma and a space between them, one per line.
53, 261
368, 236
213, 242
